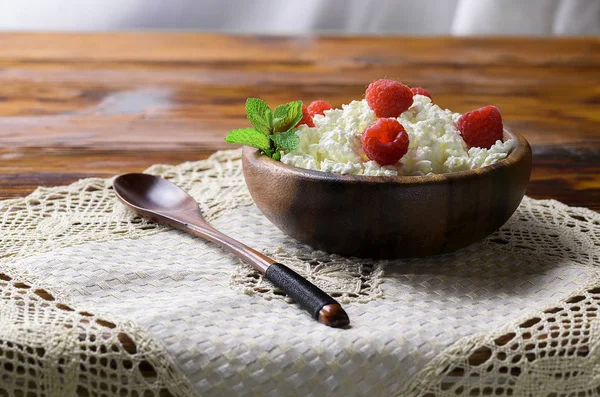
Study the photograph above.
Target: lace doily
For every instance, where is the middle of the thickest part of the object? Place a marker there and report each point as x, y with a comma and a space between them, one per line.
96, 301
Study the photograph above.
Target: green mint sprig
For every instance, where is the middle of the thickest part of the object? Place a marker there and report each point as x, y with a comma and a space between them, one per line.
273, 131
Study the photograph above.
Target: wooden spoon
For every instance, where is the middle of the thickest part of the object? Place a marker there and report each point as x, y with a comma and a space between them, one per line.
164, 202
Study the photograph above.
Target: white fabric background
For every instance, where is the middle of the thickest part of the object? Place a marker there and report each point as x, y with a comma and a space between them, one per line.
428, 17
188, 316
224, 341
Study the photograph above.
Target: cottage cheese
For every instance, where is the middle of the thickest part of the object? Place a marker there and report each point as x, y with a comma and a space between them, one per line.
436, 147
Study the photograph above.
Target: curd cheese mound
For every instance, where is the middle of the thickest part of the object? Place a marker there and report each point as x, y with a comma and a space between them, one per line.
436, 146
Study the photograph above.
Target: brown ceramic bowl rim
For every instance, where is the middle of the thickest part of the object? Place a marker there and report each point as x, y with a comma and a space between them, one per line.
518, 152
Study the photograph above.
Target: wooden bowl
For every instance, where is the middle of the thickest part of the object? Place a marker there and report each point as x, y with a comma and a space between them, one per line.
389, 217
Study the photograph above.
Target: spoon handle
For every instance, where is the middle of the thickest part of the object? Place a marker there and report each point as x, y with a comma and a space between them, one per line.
315, 301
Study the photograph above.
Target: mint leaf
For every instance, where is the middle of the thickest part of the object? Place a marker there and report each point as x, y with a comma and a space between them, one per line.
249, 137
279, 116
287, 116
260, 115
269, 119
287, 140
273, 130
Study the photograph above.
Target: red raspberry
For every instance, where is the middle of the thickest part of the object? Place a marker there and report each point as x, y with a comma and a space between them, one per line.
318, 107
481, 127
306, 118
385, 141
420, 91
388, 98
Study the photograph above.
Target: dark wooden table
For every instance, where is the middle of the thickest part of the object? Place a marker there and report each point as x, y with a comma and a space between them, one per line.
81, 105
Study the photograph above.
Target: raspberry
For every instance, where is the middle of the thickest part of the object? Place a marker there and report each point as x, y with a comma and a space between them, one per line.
385, 141
306, 118
420, 91
388, 98
481, 127
318, 107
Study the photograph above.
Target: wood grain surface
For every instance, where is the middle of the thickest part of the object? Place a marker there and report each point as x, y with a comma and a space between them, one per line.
82, 105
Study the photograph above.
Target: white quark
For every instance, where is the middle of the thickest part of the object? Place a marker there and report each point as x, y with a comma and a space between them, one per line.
436, 147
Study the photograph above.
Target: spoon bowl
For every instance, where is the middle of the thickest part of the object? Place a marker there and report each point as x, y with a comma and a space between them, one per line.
149, 192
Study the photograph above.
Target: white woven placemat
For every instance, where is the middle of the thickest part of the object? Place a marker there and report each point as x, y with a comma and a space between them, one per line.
95, 300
